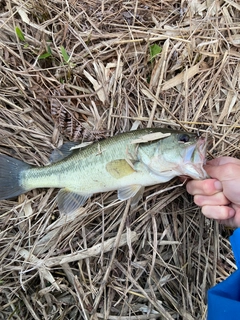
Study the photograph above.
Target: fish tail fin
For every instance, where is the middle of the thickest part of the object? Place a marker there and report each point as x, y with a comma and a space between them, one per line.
10, 177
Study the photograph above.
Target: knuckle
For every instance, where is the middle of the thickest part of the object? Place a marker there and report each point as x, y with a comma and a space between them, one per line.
207, 186
190, 187
206, 212
198, 200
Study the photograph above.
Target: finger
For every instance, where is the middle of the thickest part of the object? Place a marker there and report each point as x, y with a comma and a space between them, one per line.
223, 160
224, 172
204, 187
234, 221
213, 200
218, 212
229, 223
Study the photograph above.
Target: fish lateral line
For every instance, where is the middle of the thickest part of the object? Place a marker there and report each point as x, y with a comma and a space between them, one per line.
127, 162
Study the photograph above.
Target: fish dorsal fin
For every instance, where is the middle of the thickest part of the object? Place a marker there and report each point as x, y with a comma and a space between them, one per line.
69, 202
66, 150
60, 153
119, 168
129, 191
149, 137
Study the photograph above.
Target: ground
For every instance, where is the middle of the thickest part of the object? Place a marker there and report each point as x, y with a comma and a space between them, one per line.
85, 70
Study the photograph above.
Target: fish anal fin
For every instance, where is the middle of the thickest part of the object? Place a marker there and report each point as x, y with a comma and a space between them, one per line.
130, 192
69, 202
119, 168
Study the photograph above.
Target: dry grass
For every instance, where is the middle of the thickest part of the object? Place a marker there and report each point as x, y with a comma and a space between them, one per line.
108, 262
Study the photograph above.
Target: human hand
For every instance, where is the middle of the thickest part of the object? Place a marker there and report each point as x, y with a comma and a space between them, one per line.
219, 196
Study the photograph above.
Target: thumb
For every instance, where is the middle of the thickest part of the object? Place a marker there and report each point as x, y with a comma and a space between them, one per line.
223, 160
224, 172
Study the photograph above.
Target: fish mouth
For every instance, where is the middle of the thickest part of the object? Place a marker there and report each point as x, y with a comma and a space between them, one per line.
195, 159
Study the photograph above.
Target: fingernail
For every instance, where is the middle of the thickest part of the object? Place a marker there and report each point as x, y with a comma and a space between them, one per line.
218, 185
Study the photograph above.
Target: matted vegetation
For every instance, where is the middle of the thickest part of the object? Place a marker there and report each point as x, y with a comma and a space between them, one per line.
83, 70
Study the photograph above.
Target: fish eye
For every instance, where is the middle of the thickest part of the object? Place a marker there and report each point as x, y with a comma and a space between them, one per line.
183, 138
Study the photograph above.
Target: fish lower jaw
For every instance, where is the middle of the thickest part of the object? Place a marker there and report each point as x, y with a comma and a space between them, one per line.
194, 171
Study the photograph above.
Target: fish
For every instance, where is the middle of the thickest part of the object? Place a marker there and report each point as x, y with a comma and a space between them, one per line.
126, 162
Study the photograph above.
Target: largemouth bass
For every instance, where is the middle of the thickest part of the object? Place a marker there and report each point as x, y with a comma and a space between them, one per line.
126, 162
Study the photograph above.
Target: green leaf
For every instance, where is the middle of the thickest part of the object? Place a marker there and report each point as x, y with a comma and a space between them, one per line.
64, 54
45, 55
155, 50
49, 49
19, 34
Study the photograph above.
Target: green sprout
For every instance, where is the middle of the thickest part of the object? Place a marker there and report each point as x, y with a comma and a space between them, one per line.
65, 55
154, 51
46, 54
19, 34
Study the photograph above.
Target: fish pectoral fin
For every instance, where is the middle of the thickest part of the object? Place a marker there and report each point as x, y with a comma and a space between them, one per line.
129, 192
69, 201
119, 168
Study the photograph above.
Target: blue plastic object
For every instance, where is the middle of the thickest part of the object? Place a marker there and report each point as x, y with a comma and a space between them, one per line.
224, 298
